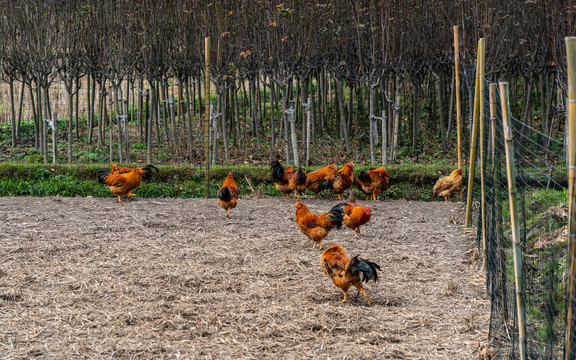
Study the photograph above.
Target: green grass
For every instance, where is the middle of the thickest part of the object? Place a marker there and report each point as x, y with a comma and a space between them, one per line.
407, 181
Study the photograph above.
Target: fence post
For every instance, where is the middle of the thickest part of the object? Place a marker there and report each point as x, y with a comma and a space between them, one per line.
517, 250
458, 108
207, 119
570, 347
474, 134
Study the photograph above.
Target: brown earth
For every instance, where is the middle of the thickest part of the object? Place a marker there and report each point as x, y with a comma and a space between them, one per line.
172, 278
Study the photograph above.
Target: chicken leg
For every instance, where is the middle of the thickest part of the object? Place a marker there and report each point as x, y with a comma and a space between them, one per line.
365, 296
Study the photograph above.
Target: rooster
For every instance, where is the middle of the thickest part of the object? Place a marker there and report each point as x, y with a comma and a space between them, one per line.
321, 179
356, 215
343, 179
289, 180
373, 181
345, 271
317, 227
228, 194
124, 184
447, 185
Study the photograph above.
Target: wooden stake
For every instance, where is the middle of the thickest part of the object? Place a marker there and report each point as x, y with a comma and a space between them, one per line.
458, 105
472, 162
482, 157
570, 349
207, 120
509, 145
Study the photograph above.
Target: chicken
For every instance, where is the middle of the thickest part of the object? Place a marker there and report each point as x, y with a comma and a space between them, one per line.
317, 227
124, 170
321, 179
448, 184
228, 195
345, 271
343, 179
289, 180
372, 182
355, 215
124, 184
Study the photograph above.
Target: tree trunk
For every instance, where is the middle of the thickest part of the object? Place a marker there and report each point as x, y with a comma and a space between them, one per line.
189, 106
119, 118
101, 111
172, 121
54, 142
70, 91
20, 102
77, 106
46, 107
152, 100
371, 121
309, 121
13, 112
343, 125
292, 119
254, 110
36, 117
223, 116
394, 148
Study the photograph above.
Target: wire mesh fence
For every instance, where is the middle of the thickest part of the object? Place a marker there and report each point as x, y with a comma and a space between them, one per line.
541, 192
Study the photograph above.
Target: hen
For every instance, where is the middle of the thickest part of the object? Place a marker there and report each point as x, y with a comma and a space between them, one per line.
289, 180
372, 182
228, 195
343, 179
321, 179
124, 184
447, 185
345, 271
317, 227
124, 170
356, 215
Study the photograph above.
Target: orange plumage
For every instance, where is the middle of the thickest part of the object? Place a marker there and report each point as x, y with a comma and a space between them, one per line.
345, 271
372, 182
228, 194
288, 180
321, 179
446, 186
317, 227
343, 179
356, 215
122, 184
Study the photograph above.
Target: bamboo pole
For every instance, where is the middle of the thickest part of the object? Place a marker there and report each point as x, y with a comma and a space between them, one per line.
517, 250
472, 162
570, 352
458, 105
207, 120
481, 146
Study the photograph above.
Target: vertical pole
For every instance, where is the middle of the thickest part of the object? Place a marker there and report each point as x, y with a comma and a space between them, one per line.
54, 145
458, 106
481, 146
517, 250
570, 352
308, 128
474, 134
207, 119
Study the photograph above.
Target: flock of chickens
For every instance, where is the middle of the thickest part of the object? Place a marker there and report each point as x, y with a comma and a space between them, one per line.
344, 271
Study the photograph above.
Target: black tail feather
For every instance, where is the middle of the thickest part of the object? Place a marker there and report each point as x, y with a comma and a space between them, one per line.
337, 217
301, 177
325, 184
367, 268
224, 194
148, 171
364, 176
277, 170
102, 173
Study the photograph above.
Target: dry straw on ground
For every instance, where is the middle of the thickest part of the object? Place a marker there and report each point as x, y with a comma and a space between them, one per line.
171, 278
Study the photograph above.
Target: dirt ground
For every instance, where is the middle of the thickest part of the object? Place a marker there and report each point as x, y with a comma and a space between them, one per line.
172, 278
